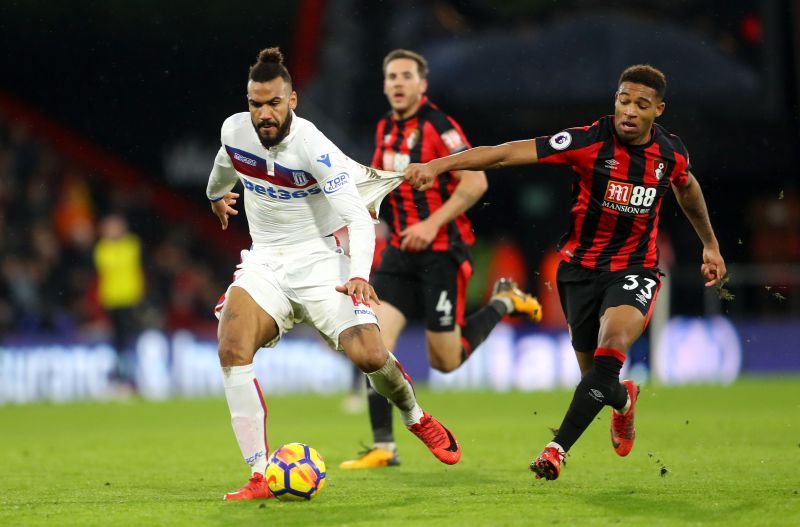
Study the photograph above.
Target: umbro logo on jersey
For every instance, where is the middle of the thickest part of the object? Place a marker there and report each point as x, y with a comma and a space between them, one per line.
325, 159
612, 164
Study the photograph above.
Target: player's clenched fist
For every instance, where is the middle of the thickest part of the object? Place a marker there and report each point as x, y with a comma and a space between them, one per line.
713, 267
420, 175
223, 207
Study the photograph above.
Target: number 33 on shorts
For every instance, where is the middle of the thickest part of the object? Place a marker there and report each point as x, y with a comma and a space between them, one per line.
644, 285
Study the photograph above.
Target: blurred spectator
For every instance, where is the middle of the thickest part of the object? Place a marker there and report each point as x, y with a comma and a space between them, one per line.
48, 286
73, 218
118, 259
776, 228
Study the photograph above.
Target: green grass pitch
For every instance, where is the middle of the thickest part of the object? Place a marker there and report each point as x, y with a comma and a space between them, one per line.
704, 455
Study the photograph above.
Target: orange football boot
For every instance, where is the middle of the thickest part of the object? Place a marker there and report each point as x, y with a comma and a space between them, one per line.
622, 431
439, 440
548, 464
256, 489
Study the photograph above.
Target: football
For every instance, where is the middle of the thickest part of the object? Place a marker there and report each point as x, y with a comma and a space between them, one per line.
295, 472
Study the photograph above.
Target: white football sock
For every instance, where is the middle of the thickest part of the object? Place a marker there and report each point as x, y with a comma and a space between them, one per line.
505, 301
388, 446
391, 382
553, 444
248, 414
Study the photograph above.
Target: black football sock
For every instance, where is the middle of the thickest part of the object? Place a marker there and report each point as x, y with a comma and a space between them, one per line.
598, 388
478, 325
380, 416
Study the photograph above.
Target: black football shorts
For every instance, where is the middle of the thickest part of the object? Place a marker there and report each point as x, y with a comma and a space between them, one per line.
586, 294
429, 285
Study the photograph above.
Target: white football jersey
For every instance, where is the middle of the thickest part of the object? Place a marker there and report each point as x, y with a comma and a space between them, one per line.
302, 188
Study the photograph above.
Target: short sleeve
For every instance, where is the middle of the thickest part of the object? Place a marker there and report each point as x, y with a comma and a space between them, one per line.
562, 148
683, 165
451, 137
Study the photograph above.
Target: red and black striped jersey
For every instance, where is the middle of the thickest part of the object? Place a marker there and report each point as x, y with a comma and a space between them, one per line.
616, 192
427, 135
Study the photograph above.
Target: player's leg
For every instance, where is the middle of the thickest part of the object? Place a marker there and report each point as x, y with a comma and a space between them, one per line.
451, 337
624, 311
363, 345
243, 328
384, 449
600, 386
397, 285
253, 313
353, 328
630, 302
581, 301
585, 361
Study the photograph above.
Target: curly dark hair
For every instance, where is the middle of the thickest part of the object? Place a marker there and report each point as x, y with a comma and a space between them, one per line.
268, 66
647, 75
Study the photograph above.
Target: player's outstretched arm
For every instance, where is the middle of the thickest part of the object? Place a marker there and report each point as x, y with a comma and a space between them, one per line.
690, 198
514, 153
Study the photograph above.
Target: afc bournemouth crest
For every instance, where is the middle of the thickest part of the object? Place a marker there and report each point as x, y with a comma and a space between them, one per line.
660, 168
412, 138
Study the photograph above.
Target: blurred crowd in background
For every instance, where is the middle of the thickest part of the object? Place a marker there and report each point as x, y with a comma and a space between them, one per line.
75, 249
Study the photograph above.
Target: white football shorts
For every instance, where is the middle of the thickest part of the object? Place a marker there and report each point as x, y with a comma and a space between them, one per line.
296, 284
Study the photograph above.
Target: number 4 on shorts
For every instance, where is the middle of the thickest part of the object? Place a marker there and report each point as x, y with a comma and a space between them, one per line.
444, 304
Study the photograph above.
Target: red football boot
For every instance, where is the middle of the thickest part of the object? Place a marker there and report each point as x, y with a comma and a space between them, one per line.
548, 464
622, 431
439, 440
256, 489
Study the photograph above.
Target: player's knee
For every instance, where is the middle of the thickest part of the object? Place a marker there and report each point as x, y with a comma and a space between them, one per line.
615, 337
444, 362
364, 347
234, 353
370, 359
618, 341
444, 355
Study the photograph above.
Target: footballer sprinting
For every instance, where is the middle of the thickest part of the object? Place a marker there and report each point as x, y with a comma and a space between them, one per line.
426, 268
608, 279
299, 188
